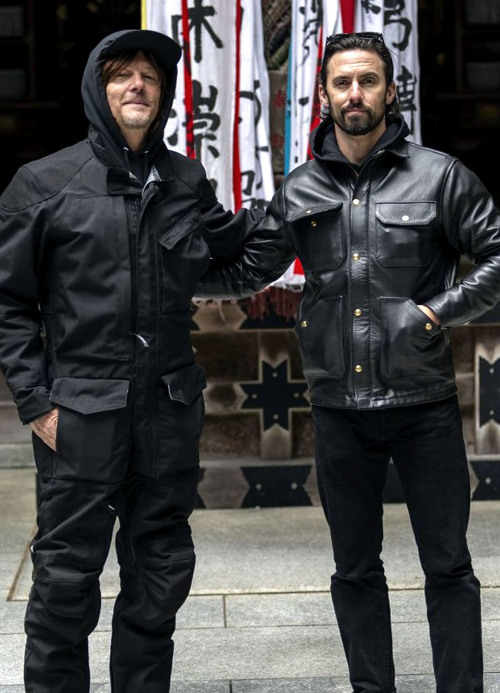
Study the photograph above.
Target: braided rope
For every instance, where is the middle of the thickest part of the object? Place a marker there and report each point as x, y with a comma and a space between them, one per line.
277, 19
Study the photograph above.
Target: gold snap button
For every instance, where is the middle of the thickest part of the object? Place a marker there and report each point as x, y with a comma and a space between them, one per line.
358, 368
314, 222
429, 325
355, 257
303, 323
356, 202
358, 313
405, 217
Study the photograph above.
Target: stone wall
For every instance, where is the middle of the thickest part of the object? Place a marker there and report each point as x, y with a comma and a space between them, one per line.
257, 446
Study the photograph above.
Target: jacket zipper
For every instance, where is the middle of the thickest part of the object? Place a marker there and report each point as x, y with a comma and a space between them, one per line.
135, 217
137, 206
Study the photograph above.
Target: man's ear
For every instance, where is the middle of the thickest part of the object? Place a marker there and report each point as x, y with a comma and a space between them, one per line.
323, 97
391, 93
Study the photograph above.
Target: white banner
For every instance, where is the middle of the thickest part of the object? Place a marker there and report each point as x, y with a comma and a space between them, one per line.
397, 21
257, 179
312, 22
219, 98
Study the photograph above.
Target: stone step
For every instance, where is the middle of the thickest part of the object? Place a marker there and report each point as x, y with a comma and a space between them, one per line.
5, 394
15, 439
11, 429
16, 455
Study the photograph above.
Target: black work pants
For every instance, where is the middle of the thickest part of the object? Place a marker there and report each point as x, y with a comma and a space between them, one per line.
353, 450
79, 503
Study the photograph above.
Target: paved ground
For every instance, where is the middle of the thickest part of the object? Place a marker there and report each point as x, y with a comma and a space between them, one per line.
259, 619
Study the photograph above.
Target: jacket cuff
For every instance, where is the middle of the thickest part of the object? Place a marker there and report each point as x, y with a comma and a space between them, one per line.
32, 403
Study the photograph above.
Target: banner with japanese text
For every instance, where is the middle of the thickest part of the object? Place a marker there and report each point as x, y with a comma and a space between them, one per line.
312, 22
221, 109
397, 21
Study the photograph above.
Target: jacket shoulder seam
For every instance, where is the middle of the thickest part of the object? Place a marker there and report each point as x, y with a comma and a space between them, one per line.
47, 195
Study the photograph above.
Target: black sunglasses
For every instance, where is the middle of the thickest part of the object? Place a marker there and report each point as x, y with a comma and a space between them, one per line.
336, 38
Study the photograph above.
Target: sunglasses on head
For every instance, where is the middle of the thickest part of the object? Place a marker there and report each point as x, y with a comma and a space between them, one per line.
336, 38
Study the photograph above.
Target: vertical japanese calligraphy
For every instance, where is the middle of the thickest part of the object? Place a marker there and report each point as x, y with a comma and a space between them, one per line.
221, 110
397, 20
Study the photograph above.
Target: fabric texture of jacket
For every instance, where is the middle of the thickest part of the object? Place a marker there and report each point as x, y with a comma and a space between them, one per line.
97, 268
375, 241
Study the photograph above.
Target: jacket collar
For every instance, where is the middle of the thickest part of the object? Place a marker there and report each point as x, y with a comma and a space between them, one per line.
121, 181
325, 148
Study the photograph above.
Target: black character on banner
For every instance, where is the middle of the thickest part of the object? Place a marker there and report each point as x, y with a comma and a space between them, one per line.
252, 180
177, 28
254, 96
173, 139
247, 182
370, 7
393, 15
198, 21
406, 85
311, 28
206, 122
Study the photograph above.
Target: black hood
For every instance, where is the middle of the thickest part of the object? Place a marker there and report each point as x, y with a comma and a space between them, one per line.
324, 145
105, 136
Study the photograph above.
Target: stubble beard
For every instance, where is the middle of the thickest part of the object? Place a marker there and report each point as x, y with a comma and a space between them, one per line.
136, 121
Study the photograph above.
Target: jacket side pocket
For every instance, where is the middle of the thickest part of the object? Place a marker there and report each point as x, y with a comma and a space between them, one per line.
92, 430
414, 351
180, 420
320, 334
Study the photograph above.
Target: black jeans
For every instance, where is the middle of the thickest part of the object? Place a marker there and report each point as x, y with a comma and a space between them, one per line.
353, 450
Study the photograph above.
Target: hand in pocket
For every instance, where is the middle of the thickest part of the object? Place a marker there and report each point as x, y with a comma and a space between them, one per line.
45, 427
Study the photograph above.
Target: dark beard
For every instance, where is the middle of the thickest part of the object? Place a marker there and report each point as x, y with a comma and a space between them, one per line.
359, 125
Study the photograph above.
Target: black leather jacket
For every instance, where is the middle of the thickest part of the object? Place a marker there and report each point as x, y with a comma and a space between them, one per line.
375, 242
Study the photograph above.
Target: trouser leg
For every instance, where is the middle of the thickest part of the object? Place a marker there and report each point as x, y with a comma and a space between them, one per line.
156, 556
68, 553
429, 454
351, 470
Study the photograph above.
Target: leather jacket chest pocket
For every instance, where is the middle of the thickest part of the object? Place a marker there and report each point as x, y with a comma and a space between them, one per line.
406, 233
318, 235
185, 257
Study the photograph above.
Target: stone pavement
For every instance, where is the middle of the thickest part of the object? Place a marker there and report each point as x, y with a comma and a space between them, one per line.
259, 618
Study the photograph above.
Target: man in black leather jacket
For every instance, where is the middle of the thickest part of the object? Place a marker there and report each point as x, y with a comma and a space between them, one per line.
103, 244
379, 225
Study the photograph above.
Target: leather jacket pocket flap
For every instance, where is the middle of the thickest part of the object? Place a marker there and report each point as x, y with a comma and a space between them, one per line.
183, 228
406, 213
185, 384
88, 395
309, 212
318, 236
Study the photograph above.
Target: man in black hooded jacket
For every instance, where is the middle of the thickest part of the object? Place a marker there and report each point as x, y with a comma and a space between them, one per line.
379, 225
103, 244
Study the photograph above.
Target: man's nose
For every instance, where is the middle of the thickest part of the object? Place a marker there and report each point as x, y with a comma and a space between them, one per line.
355, 92
137, 82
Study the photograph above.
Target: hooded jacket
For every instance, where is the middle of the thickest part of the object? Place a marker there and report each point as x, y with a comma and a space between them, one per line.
375, 241
97, 267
